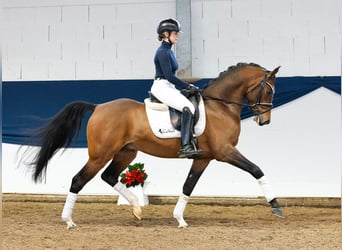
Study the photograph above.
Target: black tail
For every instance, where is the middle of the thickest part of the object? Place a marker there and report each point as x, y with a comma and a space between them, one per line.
58, 133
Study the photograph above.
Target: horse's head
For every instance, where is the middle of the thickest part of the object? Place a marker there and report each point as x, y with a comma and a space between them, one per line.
245, 80
260, 96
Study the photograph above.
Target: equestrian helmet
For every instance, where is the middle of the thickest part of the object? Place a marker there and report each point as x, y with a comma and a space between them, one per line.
168, 25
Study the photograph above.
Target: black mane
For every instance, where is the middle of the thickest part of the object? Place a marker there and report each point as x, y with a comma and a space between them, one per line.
231, 69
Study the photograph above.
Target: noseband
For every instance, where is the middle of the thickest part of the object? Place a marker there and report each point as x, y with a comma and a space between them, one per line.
260, 87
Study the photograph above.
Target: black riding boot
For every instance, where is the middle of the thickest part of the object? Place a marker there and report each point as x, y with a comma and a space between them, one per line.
187, 149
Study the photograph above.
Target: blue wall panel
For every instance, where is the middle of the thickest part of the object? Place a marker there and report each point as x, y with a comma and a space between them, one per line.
27, 105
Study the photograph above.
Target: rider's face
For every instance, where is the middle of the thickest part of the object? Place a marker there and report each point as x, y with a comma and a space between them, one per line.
173, 37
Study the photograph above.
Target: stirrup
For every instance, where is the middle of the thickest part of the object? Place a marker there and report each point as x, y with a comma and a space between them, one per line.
188, 151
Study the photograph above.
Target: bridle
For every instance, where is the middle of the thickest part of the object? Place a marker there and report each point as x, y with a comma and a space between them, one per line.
258, 103
259, 87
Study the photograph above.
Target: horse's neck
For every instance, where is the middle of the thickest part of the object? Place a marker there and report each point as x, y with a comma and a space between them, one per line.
231, 89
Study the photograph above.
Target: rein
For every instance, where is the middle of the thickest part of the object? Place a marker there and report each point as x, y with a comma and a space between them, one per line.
261, 86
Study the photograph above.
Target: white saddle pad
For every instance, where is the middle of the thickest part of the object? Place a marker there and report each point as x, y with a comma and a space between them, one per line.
159, 118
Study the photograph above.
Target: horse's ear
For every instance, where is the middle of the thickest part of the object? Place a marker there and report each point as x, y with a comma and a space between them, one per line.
274, 72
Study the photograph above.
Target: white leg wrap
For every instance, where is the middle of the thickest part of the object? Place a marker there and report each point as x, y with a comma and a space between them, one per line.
179, 210
126, 193
266, 188
68, 206
130, 197
67, 210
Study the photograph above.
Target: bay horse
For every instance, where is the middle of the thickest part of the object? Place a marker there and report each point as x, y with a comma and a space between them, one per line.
118, 129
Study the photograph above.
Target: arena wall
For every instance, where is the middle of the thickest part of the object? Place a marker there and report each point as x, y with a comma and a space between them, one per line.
116, 39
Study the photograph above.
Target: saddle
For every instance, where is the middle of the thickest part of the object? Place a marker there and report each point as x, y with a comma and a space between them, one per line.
175, 115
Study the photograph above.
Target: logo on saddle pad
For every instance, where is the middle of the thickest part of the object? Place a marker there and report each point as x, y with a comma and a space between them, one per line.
165, 121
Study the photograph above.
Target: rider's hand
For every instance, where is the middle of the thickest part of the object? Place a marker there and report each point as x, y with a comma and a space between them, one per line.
192, 89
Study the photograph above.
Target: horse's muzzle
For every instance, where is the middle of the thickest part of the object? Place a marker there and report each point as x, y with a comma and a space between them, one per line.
264, 123
262, 120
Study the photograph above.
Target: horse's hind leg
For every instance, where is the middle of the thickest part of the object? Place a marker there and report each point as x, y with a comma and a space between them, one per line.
78, 182
112, 172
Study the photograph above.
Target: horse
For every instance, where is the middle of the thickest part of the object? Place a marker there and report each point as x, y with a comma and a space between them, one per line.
118, 129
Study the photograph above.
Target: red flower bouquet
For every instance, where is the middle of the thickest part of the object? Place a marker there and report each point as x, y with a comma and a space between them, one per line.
135, 175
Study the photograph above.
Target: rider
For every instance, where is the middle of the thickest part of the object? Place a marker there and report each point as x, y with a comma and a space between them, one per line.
166, 84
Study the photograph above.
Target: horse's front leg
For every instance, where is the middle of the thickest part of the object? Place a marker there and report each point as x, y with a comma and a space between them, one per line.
235, 158
195, 173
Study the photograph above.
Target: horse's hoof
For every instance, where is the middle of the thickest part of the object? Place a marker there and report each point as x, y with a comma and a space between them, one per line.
277, 212
137, 212
181, 222
70, 225
185, 225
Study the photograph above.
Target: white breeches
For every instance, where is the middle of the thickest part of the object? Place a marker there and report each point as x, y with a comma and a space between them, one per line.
167, 93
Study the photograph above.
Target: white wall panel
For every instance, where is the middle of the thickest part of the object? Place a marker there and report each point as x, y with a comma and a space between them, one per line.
90, 32
300, 66
118, 69
278, 45
247, 30
288, 65
62, 32
145, 31
35, 71
246, 10
270, 62
127, 49
331, 64
21, 15
118, 32
102, 14
197, 49
262, 27
275, 9
225, 45
320, 9
216, 10
62, 70
211, 66
295, 26
301, 45
13, 69
247, 47
19, 52
330, 25
12, 33
145, 11
102, 51
317, 45
89, 70
202, 29
332, 45
232, 28
209, 48
47, 51
141, 71
75, 14
35, 33
49, 15
75, 51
